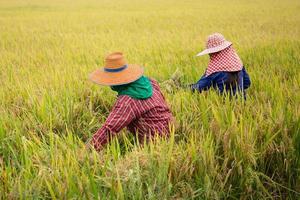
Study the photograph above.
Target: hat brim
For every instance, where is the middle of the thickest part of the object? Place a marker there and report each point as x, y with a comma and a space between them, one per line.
215, 49
128, 75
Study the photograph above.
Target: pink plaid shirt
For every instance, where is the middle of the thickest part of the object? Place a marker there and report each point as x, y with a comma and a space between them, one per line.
144, 117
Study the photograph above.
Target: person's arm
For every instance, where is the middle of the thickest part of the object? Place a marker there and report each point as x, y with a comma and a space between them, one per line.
203, 84
246, 79
121, 115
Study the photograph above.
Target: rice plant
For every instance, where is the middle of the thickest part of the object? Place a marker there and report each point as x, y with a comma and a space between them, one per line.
220, 149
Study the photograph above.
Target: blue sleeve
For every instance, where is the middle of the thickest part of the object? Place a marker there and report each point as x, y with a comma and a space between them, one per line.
203, 84
246, 79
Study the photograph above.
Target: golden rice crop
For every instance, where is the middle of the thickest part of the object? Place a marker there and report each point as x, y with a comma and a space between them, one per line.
221, 149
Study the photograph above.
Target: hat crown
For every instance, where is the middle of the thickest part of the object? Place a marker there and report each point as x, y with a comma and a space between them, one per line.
215, 40
115, 60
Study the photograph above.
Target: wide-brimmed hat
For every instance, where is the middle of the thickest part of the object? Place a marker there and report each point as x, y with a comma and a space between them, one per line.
116, 71
215, 43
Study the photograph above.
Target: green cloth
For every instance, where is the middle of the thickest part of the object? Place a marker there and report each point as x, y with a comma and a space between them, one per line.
139, 89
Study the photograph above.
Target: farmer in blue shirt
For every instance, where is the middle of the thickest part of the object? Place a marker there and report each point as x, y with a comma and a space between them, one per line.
225, 71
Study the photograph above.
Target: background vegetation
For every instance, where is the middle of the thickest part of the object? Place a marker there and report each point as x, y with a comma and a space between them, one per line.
221, 149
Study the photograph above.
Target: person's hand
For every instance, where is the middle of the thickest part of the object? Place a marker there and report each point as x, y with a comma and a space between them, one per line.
88, 144
192, 87
189, 87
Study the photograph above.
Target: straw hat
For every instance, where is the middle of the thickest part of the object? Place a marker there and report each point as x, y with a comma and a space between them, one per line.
116, 71
215, 43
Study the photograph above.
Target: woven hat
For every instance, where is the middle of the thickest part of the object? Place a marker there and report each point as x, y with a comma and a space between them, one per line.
116, 71
215, 43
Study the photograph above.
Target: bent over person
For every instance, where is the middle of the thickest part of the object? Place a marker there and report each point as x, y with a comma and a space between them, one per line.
140, 105
225, 71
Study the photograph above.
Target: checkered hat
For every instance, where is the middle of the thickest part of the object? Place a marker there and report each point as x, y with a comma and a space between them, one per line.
215, 43
223, 57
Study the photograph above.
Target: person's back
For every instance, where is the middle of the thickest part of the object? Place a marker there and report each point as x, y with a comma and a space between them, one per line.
231, 82
152, 114
146, 117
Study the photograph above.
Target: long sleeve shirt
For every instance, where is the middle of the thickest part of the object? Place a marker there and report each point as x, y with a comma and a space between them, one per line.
218, 81
146, 117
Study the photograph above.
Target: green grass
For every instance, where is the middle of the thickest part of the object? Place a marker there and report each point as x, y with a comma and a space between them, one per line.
221, 150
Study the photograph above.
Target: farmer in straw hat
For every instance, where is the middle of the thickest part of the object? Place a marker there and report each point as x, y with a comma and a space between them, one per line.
225, 71
140, 105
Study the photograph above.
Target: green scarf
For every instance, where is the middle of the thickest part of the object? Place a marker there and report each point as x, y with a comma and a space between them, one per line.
139, 89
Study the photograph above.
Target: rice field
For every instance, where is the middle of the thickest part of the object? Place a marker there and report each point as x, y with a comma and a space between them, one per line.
221, 149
